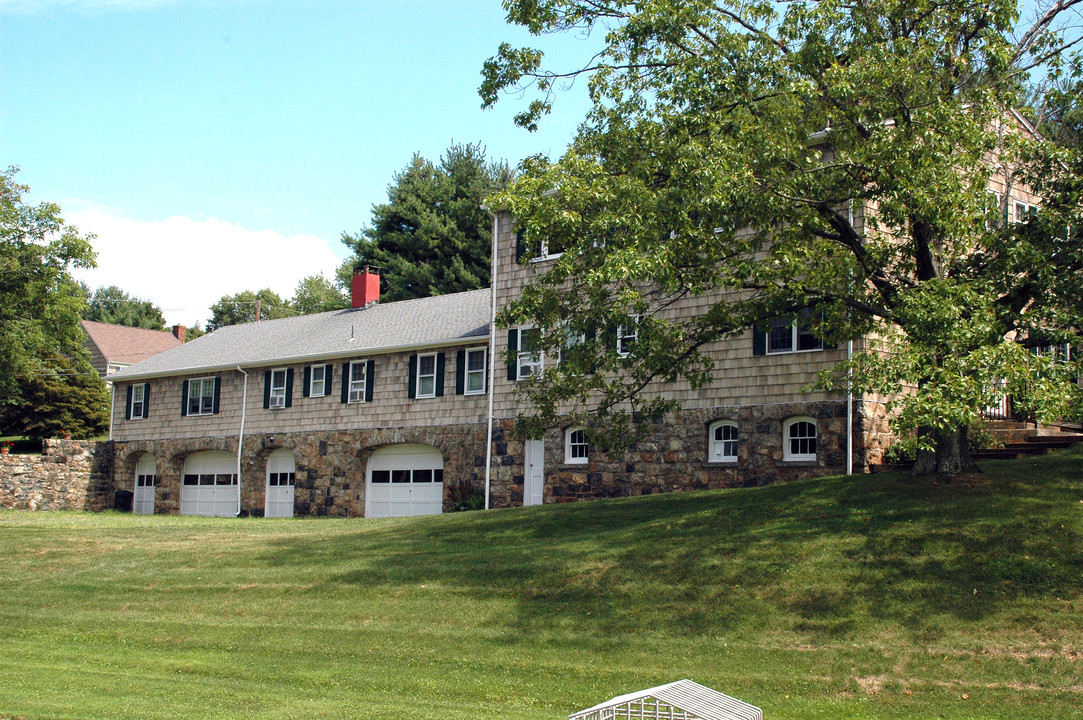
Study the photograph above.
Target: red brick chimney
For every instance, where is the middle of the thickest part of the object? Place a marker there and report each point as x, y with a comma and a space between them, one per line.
366, 286
179, 332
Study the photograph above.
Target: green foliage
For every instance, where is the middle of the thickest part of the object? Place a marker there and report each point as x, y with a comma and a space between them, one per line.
316, 294
65, 396
860, 597
433, 235
113, 305
40, 303
242, 308
767, 160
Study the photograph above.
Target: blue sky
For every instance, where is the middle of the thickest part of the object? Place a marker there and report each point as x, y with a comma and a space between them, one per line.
221, 145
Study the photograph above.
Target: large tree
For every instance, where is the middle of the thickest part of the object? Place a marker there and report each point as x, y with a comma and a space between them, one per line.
40, 303
66, 396
113, 305
432, 236
247, 306
827, 158
317, 293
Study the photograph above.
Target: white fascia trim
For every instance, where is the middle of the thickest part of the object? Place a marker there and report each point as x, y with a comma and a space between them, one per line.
278, 362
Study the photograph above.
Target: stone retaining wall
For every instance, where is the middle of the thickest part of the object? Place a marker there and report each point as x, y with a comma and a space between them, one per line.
68, 475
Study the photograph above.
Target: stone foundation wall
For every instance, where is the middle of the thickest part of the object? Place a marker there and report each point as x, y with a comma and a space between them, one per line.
330, 466
674, 455
68, 475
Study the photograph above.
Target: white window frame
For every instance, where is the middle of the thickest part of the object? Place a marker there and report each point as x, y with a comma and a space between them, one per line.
534, 360
576, 447
322, 370
1027, 211
795, 339
139, 398
421, 377
357, 385
717, 447
475, 373
277, 398
204, 384
791, 445
626, 339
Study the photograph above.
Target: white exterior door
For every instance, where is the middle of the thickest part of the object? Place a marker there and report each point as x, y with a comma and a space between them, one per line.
145, 482
533, 471
281, 471
404, 480
209, 484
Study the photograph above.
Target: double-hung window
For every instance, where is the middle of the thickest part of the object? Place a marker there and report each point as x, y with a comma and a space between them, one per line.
138, 406
317, 384
201, 396
530, 359
358, 371
627, 335
787, 337
277, 398
426, 375
474, 383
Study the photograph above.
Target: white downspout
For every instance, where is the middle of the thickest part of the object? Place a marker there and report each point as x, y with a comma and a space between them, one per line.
849, 380
492, 373
112, 407
240, 438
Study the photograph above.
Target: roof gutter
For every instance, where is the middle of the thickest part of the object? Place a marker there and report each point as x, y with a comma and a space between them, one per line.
349, 353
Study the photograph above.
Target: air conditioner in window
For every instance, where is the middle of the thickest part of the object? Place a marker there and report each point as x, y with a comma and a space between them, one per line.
278, 401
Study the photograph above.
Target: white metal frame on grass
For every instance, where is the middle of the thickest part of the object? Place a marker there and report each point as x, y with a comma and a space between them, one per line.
681, 700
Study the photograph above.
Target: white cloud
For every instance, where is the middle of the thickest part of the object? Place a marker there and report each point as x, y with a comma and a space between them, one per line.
184, 265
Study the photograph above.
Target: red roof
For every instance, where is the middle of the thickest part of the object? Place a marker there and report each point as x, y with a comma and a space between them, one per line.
128, 345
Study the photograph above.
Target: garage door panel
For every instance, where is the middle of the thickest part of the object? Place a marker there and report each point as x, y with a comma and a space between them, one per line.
405, 480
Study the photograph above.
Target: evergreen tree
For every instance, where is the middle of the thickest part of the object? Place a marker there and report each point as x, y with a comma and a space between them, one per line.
66, 395
432, 236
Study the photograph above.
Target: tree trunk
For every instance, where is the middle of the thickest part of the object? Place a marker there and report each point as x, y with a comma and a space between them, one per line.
950, 457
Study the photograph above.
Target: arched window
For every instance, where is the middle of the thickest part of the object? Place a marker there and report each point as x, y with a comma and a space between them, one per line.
722, 441
799, 439
576, 448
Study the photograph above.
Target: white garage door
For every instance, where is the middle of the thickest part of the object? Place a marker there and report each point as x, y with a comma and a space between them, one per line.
404, 480
145, 482
209, 484
281, 471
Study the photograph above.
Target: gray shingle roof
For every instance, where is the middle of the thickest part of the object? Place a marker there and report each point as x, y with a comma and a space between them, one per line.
426, 322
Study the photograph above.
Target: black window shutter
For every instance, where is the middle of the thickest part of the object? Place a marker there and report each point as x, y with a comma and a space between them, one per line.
513, 353
146, 400
520, 245
439, 374
370, 379
345, 382
411, 383
266, 389
289, 387
128, 404
308, 381
460, 372
328, 375
184, 398
217, 393
591, 336
759, 342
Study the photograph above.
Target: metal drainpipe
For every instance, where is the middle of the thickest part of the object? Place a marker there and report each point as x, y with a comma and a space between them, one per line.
489, 366
112, 407
240, 438
849, 376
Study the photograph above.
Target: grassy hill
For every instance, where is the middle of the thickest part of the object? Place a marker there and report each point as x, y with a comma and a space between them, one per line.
864, 597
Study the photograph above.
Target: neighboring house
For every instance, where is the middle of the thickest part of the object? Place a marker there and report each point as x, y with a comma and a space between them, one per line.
114, 347
396, 409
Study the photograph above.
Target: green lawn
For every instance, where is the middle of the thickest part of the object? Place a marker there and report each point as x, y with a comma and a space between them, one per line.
866, 597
